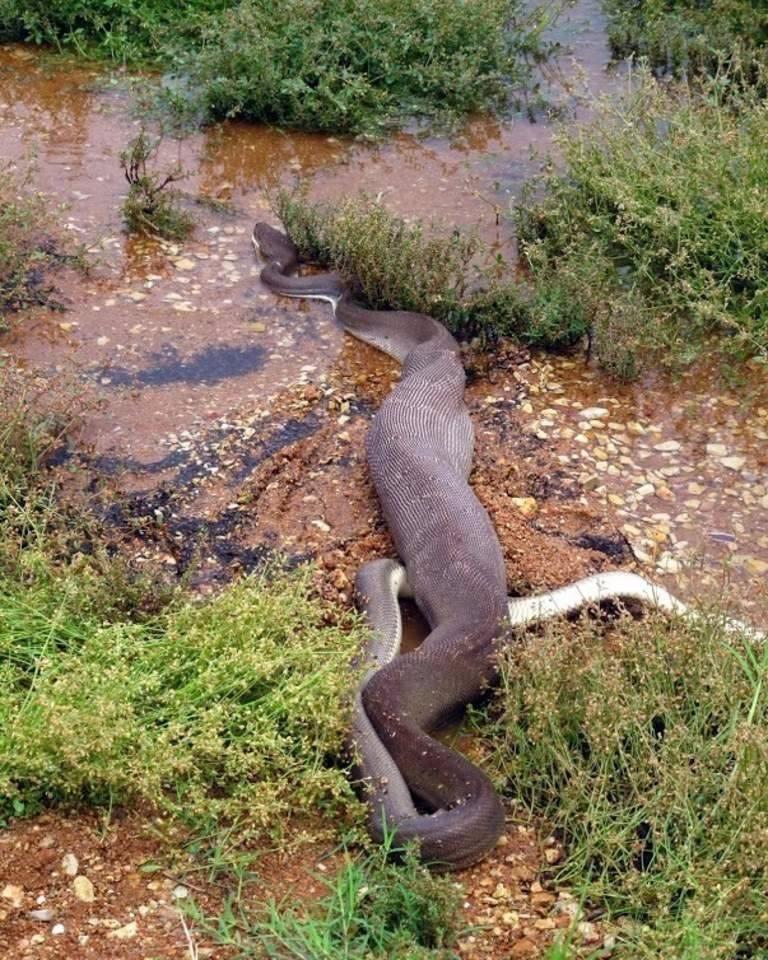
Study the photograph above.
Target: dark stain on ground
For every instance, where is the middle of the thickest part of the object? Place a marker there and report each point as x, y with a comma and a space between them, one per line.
156, 515
617, 547
212, 365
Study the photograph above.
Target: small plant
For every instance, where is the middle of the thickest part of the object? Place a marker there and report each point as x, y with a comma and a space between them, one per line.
151, 207
27, 247
645, 746
374, 910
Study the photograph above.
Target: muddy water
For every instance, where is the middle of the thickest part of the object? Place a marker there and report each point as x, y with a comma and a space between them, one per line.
170, 341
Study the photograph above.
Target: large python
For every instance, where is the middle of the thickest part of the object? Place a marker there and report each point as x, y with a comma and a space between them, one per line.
419, 451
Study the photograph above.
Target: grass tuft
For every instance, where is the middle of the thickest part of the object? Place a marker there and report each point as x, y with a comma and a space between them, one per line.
374, 909
645, 748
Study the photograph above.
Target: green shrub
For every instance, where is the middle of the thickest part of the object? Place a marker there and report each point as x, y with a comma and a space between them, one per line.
691, 36
122, 30
657, 224
645, 748
361, 65
357, 66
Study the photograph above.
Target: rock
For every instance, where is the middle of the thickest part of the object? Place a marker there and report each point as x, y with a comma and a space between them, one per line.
185, 264
70, 864
716, 450
733, 463
668, 446
526, 505
13, 893
44, 916
83, 889
593, 413
127, 932
646, 490
179, 892
57, 929
523, 948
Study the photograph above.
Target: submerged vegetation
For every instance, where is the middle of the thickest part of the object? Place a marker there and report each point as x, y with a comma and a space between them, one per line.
152, 204
645, 748
691, 36
337, 65
27, 246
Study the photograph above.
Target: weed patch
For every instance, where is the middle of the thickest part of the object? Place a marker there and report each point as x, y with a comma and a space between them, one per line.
691, 36
374, 909
27, 247
657, 229
357, 66
645, 747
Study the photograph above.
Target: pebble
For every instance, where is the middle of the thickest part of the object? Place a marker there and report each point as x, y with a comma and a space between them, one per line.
733, 463
126, 932
44, 916
83, 889
57, 929
70, 864
668, 446
13, 893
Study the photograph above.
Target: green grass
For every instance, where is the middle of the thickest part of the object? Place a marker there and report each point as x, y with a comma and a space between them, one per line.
357, 66
113, 691
644, 747
691, 36
655, 224
373, 909
27, 246
406, 266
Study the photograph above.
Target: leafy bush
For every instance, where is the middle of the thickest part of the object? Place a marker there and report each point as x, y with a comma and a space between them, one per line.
645, 747
691, 36
658, 226
343, 65
122, 30
360, 65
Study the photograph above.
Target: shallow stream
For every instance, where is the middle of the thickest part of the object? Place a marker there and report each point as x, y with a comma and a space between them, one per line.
170, 340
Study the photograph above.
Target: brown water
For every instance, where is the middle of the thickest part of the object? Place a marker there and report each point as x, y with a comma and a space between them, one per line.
167, 338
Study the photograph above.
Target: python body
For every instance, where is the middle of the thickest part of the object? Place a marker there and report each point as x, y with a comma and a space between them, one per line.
419, 450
